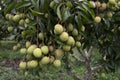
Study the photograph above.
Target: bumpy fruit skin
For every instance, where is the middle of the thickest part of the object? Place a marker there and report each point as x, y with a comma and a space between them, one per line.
109, 14
41, 36
64, 36
92, 3
75, 32
7, 16
83, 28
45, 60
70, 27
15, 48
98, 4
27, 44
57, 63
11, 17
113, 2
21, 22
78, 44
16, 18
23, 50
97, 19
45, 49
22, 65
58, 29
18, 45
10, 28
104, 6
37, 52
32, 64
27, 20
52, 3
66, 48
103, 75
71, 41
31, 49
58, 53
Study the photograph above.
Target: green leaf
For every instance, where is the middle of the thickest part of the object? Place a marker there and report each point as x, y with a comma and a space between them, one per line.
9, 7
59, 11
65, 14
36, 13
23, 4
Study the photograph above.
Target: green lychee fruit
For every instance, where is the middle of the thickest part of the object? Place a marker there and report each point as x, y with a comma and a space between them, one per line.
37, 52
31, 49
21, 22
66, 48
64, 36
83, 28
52, 4
79, 37
52, 58
15, 48
16, 18
18, 45
104, 6
11, 17
57, 63
27, 44
92, 3
10, 28
71, 41
27, 20
32, 64
22, 65
23, 50
45, 60
97, 19
98, 4
109, 14
70, 27
78, 44
75, 32
113, 2
58, 29
41, 35
45, 49
7, 16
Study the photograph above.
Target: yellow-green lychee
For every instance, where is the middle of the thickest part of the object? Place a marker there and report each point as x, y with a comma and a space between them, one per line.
75, 32
98, 4
70, 27
31, 49
64, 36
58, 29
104, 6
71, 41
23, 50
78, 44
109, 14
66, 48
51, 48
22, 65
32, 64
57, 63
41, 35
45, 60
45, 49
27, 20
27, 44
97, 19
52, 3
37, 52
82, 28
15, 48
22, 22
16, 18
113, 2
10, 28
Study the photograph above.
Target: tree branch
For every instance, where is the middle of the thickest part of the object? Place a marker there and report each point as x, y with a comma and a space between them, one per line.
90, 52
78, 59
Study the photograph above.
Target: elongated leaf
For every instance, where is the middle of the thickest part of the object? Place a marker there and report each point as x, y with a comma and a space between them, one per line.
59, 11
9, 7
23, 4
36, 13
65, 14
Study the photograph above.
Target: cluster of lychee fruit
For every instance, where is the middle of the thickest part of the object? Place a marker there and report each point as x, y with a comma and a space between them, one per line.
18, 18
66, 38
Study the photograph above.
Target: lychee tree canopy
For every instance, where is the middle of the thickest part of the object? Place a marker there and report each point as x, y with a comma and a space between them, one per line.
45, 14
